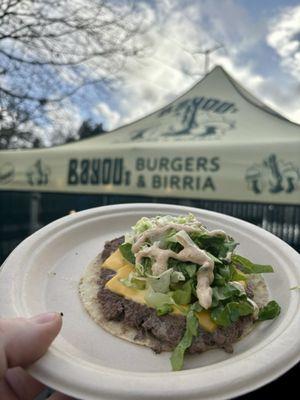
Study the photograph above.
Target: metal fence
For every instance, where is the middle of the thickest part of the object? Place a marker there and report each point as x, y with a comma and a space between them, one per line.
22, 213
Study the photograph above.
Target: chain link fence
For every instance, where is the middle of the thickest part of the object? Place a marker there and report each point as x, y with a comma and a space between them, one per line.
22, 213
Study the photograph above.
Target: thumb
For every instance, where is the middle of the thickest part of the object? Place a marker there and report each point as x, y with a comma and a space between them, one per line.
23, 341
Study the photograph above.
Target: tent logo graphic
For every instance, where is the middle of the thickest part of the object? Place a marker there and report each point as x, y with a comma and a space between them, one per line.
38, 173
273, 175
198, 118
7, 173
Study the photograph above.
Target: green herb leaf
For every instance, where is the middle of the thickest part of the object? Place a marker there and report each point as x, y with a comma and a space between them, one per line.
219, 280
236, 274
224, 271
227, 247
248, 267
220, 316
215, 259
188, 269
186, 341
226, 315
269, 311
127, 253
226, 292
218, 245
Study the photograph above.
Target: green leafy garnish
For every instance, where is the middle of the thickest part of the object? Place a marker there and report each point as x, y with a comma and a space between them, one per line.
218, 245
188, 269
186, 341
215, 259
127, 253
248, 267
226, 292
226, 315
269, 311
236, 274
164, 309
219, 280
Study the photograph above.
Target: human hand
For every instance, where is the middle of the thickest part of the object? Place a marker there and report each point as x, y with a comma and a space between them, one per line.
23, 341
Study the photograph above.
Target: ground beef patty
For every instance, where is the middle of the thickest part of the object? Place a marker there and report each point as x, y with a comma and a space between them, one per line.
166, 330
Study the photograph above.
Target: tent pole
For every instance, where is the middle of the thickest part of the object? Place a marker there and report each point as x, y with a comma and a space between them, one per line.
34, 224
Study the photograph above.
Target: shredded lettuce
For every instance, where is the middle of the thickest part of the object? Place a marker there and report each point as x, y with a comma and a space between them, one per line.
184, 294
186, 341
177, 276
146, 223
142, 225
160, 283
134, 281
156, 299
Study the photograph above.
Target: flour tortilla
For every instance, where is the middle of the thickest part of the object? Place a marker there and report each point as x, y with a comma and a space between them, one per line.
88, 289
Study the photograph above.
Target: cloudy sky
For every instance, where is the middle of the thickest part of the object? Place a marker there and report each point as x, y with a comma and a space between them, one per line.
261, 50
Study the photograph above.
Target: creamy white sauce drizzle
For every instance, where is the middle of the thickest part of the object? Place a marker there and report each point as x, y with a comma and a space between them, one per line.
190, 252
205, 276
157, 232
255, 306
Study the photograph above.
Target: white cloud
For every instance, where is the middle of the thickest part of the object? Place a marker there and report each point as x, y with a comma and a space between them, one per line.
175, 62
284, 38
180, 30
105, 113
174, 65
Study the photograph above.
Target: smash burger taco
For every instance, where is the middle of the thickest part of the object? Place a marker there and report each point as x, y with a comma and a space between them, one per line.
173, 285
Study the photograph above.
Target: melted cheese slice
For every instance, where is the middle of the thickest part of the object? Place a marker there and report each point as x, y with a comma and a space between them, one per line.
116, 286
117, 263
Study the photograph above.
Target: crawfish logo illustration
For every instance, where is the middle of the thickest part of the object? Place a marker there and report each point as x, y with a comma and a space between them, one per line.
38, 174
273, 175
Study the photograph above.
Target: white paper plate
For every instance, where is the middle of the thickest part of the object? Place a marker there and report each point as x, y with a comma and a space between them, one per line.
42, 274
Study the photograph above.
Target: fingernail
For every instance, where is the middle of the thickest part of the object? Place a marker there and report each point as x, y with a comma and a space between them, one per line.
44, 318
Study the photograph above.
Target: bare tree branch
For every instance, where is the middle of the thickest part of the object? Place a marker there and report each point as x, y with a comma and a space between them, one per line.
50, 49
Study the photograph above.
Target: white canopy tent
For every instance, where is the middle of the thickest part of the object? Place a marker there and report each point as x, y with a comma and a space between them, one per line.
215, 142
